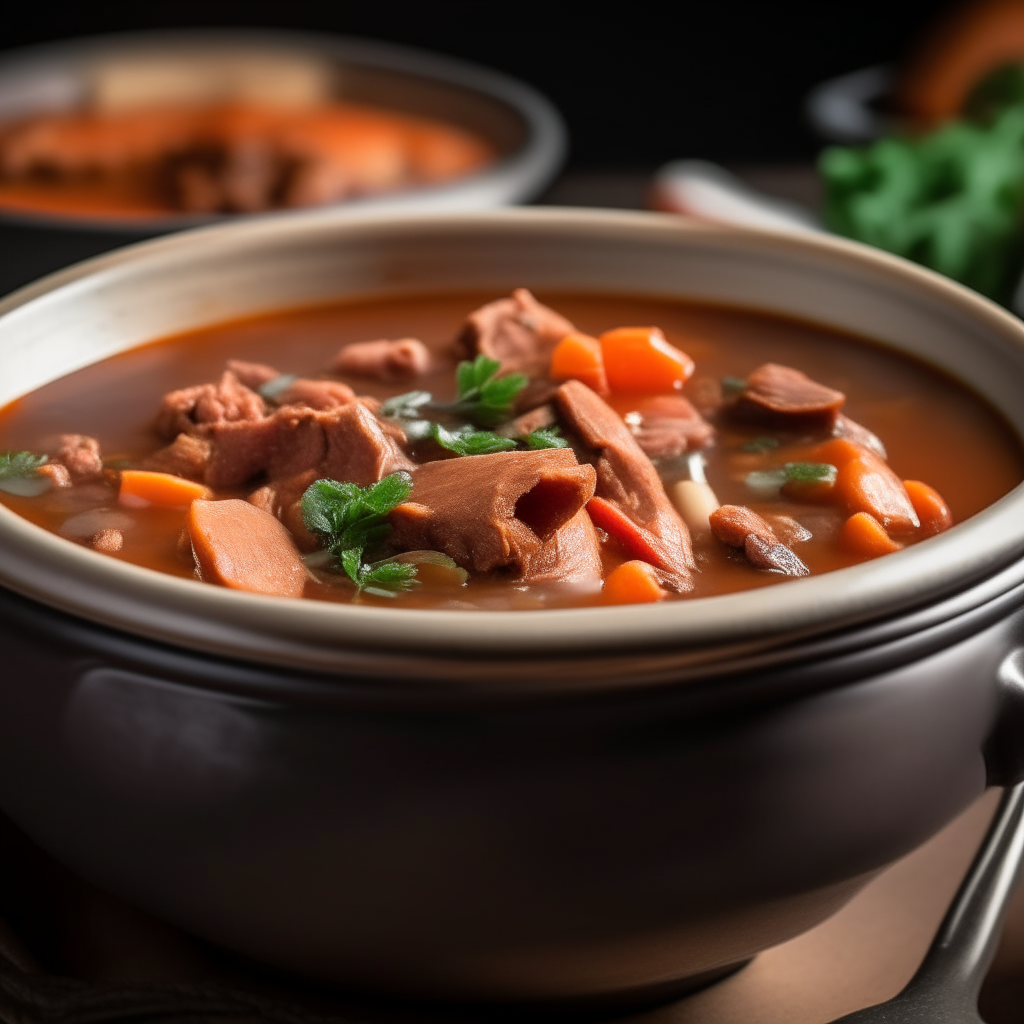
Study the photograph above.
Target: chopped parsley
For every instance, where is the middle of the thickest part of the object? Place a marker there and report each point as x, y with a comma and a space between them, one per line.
810, 472
546, 437
350, 519
761, 444
466, 441
19, 474
406, 406
733, 385
485, 398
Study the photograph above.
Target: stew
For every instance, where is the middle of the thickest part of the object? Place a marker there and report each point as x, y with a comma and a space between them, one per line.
473, 451
234, 157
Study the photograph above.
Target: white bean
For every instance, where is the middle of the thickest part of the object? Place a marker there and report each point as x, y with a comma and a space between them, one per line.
695, 502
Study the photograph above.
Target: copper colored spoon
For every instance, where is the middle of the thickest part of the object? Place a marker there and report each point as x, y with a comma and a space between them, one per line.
945, 988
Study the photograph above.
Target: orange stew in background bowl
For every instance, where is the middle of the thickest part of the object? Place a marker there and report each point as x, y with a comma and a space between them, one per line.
229, 157
472, 451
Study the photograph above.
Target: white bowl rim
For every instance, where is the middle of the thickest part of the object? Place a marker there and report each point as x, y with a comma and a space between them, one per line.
484, 647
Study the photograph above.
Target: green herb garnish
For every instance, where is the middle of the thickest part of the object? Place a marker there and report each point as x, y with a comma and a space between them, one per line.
467, 441
19, 474
349, 519
273, 387
733, 385
761, 444
383, 579
406, 406
810, 472
485, 398
546, 437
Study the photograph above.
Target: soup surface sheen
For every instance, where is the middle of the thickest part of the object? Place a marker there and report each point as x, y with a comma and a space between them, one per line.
934, 429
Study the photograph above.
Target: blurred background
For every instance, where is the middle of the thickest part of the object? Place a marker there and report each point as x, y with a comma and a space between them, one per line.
638, 83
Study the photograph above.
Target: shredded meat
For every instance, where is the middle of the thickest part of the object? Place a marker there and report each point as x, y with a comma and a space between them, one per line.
283, 500
383, 359
195, 409
741, 527
252, 375
669, 425
345, 443
541, 418
518, 331
187, 456
491, 511
571, 555
625, 475
782, 393
316, 394
79, 455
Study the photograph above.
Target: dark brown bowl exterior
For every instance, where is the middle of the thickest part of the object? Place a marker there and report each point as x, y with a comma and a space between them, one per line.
450, 844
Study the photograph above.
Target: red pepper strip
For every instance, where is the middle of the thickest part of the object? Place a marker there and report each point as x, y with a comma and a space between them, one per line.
637, 542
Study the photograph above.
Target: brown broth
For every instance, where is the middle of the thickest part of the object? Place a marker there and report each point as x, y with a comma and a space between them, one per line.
936, 430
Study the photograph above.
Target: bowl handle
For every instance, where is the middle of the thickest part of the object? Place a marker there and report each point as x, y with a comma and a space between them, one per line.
1004, 749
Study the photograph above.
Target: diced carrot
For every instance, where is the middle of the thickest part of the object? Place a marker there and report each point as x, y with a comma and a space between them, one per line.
864, 535
634, 540
640, 359
838, 451
578, 357
142, 485
867, 484
633, 583
930, 508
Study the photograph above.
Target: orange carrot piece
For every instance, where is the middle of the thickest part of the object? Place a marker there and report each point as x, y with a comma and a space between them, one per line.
864, 535
239, 546
143, 485
578, 357
633, 583
640, 359
867, 484
930, 508
635, 540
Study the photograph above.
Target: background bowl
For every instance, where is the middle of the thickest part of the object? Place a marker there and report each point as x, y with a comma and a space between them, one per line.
522, 126
595, 804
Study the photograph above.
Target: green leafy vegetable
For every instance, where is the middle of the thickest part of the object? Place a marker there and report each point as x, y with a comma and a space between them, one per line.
761, 444
349, 519
546, 437
467, 441
19, 474
485, 398
272, 388
733, 385
406, 406
810, 472
383, 579
951, 200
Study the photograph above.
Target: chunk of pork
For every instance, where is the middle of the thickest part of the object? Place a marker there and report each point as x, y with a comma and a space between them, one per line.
626, 477
666, 426
386, 360
789, 397
186, 456
741, 527
518, 331
571, 555
196, 409
345, 443
492, 511
79, 455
